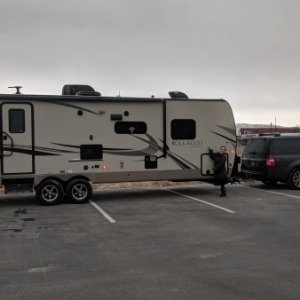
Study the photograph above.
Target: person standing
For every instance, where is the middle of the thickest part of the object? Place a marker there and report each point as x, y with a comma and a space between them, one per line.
220, 172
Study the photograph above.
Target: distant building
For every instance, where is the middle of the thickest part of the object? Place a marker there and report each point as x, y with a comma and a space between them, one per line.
264, 130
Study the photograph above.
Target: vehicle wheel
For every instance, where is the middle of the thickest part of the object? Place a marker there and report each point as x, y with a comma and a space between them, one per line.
49, 192
294, 179
79, 190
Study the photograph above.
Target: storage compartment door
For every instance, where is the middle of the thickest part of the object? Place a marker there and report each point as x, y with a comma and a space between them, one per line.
207, 165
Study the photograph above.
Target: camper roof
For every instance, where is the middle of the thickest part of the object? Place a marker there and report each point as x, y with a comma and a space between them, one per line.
83, 92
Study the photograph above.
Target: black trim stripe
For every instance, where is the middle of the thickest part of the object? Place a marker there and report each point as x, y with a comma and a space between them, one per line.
228, 129
75, 107
183, 160
225, 137
178, 161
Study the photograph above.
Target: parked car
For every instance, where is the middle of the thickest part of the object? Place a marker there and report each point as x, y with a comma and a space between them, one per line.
272, 159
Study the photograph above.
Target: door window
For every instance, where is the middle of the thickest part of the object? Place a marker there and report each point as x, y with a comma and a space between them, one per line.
16, 120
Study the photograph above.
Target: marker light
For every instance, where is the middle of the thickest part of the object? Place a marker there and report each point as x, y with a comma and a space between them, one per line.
232, 151
104, 168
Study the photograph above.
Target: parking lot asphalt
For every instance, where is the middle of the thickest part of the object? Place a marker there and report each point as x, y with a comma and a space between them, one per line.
162, 243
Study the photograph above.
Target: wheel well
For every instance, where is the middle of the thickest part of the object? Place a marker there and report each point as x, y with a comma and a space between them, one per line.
77, 177
51, 178
292, 170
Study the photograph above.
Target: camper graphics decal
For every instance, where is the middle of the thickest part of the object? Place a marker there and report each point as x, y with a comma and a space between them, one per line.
152, 148
183, 163
75, 107
188, 143
223, 136
229, 130
39, 151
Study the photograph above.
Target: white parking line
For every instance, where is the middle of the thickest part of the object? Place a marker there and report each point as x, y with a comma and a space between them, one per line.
202, 201
271, 192
106, 215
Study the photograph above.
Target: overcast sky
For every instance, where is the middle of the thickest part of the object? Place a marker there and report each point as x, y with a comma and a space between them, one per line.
245, 51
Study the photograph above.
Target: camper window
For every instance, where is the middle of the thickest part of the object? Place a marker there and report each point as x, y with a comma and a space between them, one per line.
183, 129
16, 121
130, 127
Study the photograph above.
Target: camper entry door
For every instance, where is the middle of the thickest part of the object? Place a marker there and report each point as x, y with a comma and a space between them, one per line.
17, 147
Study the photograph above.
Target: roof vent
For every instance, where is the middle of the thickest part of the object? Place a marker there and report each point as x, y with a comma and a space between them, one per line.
79, 89
178, 95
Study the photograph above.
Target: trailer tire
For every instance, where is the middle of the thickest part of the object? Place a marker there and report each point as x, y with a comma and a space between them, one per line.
79, 191
50, 192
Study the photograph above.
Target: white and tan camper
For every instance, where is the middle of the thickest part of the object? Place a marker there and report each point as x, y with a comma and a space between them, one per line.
57, 145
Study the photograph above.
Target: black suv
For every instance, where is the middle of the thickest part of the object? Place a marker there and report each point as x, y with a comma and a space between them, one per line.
273, 158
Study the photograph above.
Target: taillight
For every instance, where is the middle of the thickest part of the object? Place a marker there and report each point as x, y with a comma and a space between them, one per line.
270, 162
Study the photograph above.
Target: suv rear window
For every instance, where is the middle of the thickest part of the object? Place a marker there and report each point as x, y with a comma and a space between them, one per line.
286, 147
256, 147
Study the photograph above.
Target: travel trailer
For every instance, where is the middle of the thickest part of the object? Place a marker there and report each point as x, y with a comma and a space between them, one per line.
57, 145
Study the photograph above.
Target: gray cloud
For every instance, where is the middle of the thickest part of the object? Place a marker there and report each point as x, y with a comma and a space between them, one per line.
244, 51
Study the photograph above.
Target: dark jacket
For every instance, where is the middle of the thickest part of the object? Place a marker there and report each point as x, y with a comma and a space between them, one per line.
219, 164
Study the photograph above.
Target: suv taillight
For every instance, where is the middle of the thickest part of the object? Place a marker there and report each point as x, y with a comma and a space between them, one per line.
270, 162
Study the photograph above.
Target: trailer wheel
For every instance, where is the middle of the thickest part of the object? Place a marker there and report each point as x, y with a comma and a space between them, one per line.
79, 190
50, 192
